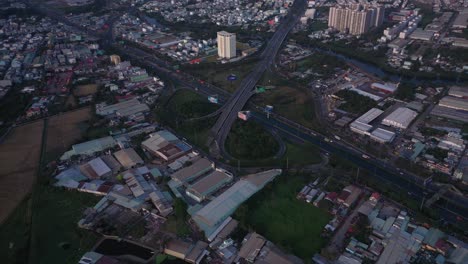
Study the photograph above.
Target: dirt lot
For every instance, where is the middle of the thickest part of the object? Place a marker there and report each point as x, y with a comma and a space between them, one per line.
65, 130
83, 90
19, 160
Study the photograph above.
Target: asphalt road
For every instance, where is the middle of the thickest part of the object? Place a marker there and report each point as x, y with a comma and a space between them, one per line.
453, 208
238, 100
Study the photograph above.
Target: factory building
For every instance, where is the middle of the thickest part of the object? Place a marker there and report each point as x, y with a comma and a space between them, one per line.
454, 103
165, 145
193, 171
458, 91
128, 158
361, 125
382, 135
450, 113
202, 188
210, 217
122, 109
400, 118
386, 88
90, 147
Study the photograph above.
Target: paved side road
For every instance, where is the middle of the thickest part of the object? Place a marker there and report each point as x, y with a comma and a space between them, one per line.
336, 243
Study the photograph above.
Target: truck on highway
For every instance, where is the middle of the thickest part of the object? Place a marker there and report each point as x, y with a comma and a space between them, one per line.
365, 156
337, 138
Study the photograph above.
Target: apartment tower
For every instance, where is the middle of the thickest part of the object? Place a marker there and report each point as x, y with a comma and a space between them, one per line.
226, 45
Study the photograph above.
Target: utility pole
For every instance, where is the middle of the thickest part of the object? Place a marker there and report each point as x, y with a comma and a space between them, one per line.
357, 174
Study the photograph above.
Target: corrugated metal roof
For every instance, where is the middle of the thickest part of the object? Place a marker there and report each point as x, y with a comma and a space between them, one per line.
95, 145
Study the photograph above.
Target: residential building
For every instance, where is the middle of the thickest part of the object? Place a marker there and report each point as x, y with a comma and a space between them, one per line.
226, 45
355, 19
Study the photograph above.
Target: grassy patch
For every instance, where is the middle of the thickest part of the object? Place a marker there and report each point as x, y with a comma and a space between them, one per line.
295, 156
280, 217
14, 246
291, 103
302, 155
217, 74
183, 105
55, 234
249, 140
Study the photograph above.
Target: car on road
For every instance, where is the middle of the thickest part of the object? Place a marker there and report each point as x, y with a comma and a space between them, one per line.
365, 156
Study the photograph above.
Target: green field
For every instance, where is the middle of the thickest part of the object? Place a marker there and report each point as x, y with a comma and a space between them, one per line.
183, 105
289, 99
291, 224
55, 236
217, 74
250, 141
296, 155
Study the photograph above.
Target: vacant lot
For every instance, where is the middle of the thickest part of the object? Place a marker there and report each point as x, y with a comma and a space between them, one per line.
87, 89
19, 160
65, 130
276, 214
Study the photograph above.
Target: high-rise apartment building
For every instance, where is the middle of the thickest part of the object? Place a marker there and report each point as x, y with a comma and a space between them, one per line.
355, 19
226, 45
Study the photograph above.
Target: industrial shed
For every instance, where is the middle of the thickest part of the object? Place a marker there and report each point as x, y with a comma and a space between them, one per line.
400, 118
193, 171
200, 189
128, 158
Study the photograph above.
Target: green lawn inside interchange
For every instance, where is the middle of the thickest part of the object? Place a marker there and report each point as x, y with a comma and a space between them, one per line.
275, 213
183, 105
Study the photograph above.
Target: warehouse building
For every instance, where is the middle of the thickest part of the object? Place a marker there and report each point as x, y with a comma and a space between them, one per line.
112, 163
202, 188
193, 171
361, 125
458, 91
128, 158
165, 145
461, 21
163, 205
95, 169
90, 147
122, 109
454, 103
386, 88
400, 118
421, 34
450, 113
191, 253
210, 217
382, 135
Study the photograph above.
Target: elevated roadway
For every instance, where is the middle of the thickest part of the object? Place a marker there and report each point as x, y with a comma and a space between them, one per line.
238, 100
